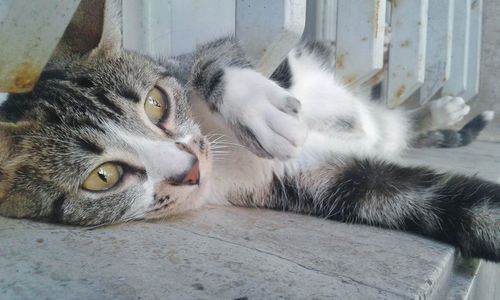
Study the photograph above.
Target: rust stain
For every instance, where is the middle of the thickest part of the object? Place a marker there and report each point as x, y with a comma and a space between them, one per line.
25, 78
339, 63
400, 91
376, 18
395, 3
348, 80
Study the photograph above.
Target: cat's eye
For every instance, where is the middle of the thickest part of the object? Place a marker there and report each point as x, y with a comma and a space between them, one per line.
155, 105
103, 177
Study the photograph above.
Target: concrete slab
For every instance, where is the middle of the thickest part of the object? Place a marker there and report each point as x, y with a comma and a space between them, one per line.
229, 253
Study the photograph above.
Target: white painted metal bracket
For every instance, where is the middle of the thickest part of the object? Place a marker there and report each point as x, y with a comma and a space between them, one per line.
457, 83
269, 29
321, 21
407, 50
29, 32
474, 59
173, 27
439, 43
360, 40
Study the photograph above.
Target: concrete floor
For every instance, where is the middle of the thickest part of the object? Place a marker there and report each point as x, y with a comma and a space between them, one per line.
229, 253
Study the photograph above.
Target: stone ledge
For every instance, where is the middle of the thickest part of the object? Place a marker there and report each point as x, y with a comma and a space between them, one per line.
227, 253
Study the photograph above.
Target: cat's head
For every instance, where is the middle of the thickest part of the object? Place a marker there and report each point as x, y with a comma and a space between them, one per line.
105, 136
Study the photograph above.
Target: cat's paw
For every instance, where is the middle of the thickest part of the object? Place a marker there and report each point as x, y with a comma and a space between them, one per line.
264, 116
447, 111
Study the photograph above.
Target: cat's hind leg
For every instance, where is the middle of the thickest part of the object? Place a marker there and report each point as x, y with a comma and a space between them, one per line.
459, 210
447, 111
449, 138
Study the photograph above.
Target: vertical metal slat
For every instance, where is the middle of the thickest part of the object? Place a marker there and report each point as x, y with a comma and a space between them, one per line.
457, 83
360, 40
438, 51
407, 50
474, 60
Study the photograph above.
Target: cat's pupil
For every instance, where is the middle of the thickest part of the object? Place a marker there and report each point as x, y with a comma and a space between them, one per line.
103, 175
154, 101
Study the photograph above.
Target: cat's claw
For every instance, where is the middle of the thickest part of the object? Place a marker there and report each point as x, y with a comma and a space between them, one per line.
447, 111
264, 116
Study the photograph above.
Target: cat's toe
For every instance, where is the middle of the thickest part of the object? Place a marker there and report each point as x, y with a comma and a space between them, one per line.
293, 129
274, 134
282, 100
456, 110
290, 105
448, 110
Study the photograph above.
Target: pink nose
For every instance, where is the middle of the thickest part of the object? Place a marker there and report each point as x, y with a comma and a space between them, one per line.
193, 176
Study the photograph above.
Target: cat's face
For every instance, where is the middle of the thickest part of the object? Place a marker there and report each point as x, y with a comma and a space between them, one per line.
110, 139
104, 137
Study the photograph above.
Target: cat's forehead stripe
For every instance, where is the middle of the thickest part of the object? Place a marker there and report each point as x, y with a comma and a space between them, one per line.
102, 95
130, 94
89, 146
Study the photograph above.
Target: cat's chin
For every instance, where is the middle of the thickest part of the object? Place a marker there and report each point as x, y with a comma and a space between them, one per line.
195, 200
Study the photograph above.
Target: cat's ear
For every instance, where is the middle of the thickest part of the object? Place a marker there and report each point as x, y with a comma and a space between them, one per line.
95, 29
10, 133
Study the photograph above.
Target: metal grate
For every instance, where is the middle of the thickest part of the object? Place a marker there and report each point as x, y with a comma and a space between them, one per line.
433, 45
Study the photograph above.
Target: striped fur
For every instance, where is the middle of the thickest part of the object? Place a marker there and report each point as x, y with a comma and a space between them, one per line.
330, 155
455, 209
447, 138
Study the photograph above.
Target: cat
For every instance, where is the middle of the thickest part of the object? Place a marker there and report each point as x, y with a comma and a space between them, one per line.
110, 135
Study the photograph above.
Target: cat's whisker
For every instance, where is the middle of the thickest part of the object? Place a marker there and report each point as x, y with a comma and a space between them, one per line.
233, 144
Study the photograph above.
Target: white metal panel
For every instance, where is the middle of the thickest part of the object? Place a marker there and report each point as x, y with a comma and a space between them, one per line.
474, 55
196, 22
268, 29
360, 40
146, 26
4, 8
321, 21
173, 27
407, 50
439, 42
457, 83
29, 32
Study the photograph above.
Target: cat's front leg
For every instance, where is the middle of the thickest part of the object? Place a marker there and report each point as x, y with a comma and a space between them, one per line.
263, 116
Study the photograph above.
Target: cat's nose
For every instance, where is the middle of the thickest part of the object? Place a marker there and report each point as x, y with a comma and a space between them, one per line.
192, 176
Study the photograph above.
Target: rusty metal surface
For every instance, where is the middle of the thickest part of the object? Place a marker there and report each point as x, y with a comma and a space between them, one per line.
439, 43
407, 51
29, 32
360, 40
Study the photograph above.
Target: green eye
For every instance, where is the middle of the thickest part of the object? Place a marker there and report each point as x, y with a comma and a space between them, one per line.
155, 105
103, 177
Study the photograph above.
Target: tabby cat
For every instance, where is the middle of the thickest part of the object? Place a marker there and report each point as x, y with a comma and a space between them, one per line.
109, 135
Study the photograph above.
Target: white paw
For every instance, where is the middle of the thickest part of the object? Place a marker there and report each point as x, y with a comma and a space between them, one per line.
447, 111
264, 116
